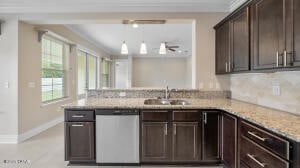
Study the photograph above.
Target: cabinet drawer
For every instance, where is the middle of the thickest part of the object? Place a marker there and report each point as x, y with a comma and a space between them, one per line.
255, 156
161, 115
266, 139
191, 115
80, 115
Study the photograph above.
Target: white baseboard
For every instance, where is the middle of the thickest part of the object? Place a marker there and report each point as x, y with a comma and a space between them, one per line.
39, 129
8, 139
14, 139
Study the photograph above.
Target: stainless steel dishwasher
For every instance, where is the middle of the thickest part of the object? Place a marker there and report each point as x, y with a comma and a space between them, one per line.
117, 136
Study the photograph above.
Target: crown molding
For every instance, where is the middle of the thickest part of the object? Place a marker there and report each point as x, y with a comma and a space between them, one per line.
234, 4
56, 6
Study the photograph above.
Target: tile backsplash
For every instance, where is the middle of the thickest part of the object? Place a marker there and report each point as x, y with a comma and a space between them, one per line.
154, 93
257, 88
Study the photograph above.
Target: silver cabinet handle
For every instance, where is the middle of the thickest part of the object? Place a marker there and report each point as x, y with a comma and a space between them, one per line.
284, 58
77, 116
226, 66
256, 136
277, 58
229, 66
166, 130
255, 160
205, 118
175, 131
77, 125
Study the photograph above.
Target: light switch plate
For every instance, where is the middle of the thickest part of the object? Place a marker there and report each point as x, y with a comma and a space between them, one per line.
276, 90
122, 94
6, 85
31, 84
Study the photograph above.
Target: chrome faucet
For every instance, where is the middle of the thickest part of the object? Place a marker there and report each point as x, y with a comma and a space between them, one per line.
168, 92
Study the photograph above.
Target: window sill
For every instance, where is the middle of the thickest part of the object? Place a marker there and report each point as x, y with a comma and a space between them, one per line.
55, 101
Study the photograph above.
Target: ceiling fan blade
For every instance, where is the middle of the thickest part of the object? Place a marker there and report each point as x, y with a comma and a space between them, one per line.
173, 46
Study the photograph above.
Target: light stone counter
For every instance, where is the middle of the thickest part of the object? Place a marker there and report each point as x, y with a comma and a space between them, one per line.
280, 122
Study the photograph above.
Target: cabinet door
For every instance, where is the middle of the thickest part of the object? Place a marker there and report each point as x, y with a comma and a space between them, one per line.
80, 141
222, 48
229, 127
211, 136
293, 32
155, 141
268, 33
185, 141
240, 41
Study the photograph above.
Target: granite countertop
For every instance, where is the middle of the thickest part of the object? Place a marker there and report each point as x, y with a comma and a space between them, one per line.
281, 122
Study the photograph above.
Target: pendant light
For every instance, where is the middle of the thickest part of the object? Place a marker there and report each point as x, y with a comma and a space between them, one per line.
143, 49
124, 49
162, 48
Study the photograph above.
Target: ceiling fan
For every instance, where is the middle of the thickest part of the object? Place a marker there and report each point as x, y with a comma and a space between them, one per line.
171, 47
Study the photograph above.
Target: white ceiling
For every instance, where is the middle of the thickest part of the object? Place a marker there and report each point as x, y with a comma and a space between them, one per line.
109, 37
87, 6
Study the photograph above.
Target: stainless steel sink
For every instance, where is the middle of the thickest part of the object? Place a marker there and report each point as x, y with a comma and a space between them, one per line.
165, 102
179, 102
157, 102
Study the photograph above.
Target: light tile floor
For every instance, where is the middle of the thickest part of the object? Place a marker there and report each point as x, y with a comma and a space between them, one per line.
45, 150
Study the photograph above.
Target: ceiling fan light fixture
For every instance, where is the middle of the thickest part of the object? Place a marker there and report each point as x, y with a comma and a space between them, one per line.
162, 48
124, 49
143, 49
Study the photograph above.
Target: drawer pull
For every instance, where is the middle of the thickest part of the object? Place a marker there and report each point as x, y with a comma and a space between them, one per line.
166, 130
255, 160
256, 136
77, 125
77, 116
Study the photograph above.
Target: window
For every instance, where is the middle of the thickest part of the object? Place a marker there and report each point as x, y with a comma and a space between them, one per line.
54, 61
105, 73
87, 72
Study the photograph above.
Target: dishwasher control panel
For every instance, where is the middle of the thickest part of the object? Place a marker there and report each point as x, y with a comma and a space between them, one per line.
117, 112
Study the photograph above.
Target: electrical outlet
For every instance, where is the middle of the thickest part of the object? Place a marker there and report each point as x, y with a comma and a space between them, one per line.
122, 94
276, 90
31, 84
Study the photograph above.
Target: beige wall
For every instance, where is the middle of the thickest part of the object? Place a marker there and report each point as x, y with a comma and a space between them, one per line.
257, 88
32, 113
205, 38
159, 72
9, 73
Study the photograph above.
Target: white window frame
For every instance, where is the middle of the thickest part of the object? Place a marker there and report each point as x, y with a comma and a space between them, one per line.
66, 48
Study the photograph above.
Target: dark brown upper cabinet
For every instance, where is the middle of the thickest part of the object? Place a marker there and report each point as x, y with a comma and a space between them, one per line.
268, 42
239, 31
211, 136
293, 33
223, 61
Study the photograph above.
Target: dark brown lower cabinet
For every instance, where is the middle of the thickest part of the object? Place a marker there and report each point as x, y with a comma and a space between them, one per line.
155, 141
211, 136
80, 141
229, 140
185, 141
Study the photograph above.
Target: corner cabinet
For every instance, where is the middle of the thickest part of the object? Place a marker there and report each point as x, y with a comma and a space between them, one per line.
211, 136
229, 140
240, 40
223, 60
